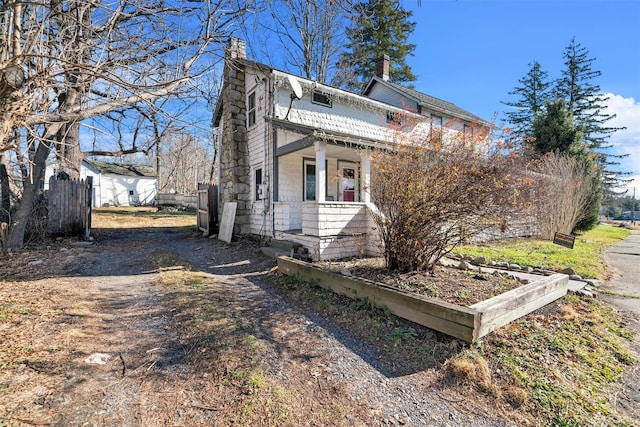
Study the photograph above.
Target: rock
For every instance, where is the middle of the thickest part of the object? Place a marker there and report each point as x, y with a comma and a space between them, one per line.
514, 267
480, 260
502, 264
492, 263
81, 244
575, 277
464, 265
524, 281
595, 283
38, 262
583, 293
569, 271
98, 359
346, 272
446, 262
528, 269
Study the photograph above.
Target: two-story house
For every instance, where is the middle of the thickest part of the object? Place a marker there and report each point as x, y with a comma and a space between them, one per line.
295, 154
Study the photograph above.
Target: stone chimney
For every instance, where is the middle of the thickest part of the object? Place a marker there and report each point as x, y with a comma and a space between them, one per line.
382, 67
236, 49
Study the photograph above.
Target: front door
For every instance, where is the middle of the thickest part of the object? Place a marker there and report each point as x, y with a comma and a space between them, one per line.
348, 182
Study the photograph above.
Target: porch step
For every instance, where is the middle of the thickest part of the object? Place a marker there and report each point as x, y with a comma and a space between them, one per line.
278, 248
273, 252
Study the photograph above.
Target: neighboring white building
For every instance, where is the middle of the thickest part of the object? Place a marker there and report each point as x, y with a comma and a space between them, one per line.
116, 184
299, 167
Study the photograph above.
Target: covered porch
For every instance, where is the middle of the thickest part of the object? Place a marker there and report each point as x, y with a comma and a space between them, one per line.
321, 197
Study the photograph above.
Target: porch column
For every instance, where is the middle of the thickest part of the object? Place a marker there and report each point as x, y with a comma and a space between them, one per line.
365, 175
321, 170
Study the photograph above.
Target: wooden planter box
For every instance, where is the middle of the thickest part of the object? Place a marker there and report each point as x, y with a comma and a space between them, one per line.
466, 323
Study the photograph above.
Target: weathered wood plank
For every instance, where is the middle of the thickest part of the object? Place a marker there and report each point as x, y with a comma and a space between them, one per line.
69, 206
504, 308
451, 319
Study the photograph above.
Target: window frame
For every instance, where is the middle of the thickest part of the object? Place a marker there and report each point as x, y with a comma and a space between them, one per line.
325, 100
251, 109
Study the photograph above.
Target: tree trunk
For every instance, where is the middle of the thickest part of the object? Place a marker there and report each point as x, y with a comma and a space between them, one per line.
29, 196
5, 190
68, 152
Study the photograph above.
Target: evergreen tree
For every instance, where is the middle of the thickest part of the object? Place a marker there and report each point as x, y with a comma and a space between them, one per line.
532, 94
586, 103
554, 130
381, 27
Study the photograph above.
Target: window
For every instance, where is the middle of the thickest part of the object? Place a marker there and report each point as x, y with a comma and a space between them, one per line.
467, 131
258, 183
309, 170
436, 127
131, 192
251, 108
393, 118
321, 99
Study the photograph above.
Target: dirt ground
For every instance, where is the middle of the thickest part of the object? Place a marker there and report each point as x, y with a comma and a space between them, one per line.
158, 326
90, 335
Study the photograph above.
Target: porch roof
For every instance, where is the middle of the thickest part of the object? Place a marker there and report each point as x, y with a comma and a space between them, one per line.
339, 145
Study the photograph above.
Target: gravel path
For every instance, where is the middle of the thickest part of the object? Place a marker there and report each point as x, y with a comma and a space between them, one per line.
393, 399
126, 319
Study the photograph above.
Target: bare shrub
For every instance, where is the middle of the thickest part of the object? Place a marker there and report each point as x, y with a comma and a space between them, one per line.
435, 193
563, 189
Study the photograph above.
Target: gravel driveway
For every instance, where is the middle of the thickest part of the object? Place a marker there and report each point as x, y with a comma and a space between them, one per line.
121, 315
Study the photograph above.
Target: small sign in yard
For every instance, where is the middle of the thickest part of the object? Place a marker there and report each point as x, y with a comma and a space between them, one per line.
566, 240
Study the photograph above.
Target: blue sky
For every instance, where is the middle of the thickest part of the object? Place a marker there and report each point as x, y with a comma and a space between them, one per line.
473, 52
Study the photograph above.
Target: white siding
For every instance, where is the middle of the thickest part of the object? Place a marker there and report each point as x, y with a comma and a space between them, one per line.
118, 190
260, 154
383, 94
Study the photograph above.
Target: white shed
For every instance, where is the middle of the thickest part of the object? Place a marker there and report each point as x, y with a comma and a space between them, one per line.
117, 184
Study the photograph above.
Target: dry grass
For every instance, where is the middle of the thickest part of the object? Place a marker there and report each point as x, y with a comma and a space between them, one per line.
140, 217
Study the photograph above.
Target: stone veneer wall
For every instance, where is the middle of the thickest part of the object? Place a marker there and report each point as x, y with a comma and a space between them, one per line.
235, 172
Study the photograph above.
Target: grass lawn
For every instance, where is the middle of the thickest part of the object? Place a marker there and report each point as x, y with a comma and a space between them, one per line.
140, 217
585, 258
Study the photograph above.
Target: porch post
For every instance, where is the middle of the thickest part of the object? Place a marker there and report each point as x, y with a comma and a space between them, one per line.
365, 175
321, 170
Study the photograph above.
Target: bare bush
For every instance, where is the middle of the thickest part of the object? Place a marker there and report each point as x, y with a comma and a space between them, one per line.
562, 192
435, 194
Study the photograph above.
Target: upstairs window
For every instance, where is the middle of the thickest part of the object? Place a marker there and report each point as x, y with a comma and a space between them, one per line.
436, 128
393, 117
321, 99
251, 109
468, 132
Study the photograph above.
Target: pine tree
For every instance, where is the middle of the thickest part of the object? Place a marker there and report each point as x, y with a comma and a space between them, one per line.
587, 104
554, 130
532, 94
381, 27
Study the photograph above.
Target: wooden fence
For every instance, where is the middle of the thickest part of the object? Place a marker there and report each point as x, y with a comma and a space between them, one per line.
207, 209
188, 201
69, 207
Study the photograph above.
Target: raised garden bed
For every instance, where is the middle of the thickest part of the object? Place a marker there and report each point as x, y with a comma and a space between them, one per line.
466, 323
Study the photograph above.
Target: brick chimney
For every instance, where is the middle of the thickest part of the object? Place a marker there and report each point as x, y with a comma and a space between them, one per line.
236, 49
382, 67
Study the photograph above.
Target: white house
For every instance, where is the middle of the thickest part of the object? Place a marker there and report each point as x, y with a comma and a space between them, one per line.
295, 154
117, 184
